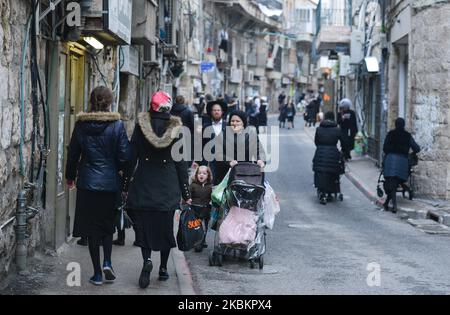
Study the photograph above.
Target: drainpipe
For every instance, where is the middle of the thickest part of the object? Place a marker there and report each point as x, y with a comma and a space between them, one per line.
384, 107
23, 213
21, 230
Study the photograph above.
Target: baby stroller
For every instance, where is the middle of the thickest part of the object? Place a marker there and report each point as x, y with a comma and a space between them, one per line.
240, 230
403, 188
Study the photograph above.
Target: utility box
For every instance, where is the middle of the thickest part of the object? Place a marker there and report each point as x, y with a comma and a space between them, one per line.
144, 22
109, 21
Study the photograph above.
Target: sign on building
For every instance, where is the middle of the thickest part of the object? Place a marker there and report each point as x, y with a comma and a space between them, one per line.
207, 66
129, 56
118, 19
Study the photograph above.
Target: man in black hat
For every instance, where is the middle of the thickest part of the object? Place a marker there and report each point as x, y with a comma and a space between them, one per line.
215, 119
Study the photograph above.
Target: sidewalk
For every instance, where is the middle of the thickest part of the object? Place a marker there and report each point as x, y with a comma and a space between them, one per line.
429, 216
48, 273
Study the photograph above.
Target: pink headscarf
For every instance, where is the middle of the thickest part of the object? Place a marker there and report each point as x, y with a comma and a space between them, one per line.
161, 102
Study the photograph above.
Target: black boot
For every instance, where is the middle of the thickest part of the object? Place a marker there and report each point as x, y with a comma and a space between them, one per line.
120, 239
394, 204
386, 205
163, 274
144, 279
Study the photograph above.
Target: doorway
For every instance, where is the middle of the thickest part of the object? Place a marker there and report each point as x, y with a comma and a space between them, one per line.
70, 101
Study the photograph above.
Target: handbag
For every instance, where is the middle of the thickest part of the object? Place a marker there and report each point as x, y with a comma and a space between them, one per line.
123, 221
190, 230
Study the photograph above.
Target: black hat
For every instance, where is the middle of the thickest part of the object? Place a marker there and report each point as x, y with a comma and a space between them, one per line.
242, 115
210, 105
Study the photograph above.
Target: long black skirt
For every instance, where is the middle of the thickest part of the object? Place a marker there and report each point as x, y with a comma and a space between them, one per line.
328, 183
95, 213
154, 229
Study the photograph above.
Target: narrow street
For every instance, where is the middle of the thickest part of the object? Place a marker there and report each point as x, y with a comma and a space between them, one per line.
94, 95
317, 249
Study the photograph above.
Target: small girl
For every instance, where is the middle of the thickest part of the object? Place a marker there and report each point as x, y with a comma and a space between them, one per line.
201, 190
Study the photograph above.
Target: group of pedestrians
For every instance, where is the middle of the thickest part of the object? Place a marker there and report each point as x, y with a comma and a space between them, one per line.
329, 162
287, 111
108, 169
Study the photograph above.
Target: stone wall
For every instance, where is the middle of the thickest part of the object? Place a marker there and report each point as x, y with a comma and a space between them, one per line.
13, 16
430, 93
13, 19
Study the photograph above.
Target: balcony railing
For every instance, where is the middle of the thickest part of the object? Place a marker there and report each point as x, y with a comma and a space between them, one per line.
333, 16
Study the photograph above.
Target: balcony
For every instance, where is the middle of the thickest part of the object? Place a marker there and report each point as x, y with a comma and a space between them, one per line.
249, 10
333, 29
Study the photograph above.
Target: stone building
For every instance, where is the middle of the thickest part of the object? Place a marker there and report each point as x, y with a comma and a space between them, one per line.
409, 78
425, 57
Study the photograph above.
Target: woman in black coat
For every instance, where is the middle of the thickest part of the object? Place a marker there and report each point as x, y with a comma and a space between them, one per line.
98, 151
396, 166
327, 163
157, 184
241, 142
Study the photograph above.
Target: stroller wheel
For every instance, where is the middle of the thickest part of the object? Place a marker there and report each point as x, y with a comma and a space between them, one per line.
341, 197
261, 262
252, 264
411, 195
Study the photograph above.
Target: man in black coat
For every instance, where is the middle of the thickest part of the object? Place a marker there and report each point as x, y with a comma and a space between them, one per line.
215, 120
180, 109
349, 127
282, 99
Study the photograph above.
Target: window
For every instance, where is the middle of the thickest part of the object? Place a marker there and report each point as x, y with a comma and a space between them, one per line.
303, 15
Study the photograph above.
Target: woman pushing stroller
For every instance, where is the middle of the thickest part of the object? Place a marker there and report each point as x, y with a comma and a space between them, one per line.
396, 166
328, 164
239, 231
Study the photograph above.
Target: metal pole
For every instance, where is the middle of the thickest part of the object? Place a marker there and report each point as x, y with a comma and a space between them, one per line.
383, 109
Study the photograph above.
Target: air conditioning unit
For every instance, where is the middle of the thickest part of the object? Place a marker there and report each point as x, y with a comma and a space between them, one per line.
356, 48
236, 76
249, 76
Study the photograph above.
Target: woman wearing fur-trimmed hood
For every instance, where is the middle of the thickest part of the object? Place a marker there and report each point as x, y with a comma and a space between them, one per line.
157, 184
98, 151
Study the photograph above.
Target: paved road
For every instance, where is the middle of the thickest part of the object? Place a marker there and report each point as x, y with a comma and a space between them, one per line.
317, 249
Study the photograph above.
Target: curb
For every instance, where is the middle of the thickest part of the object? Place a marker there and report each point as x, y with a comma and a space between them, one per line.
361, 187
184, 275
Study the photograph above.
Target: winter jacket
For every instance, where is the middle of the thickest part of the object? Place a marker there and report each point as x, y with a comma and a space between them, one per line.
201, 194
233, 143
347, 122
156, 182
328, 158
397, 146
209, 136
186, 115
98, 150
